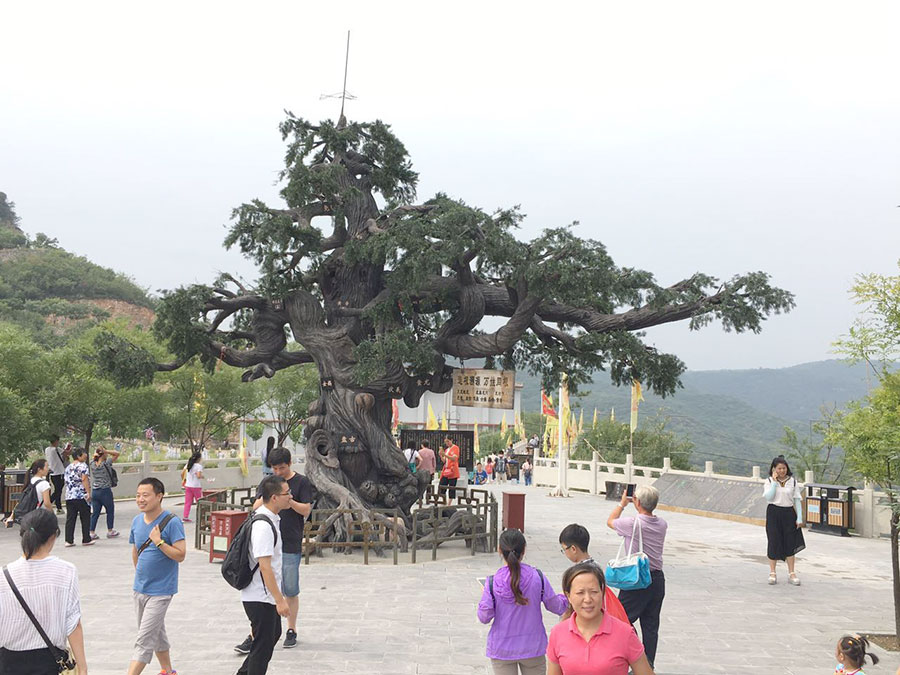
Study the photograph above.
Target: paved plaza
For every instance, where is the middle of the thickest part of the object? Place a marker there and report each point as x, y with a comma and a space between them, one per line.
719, 615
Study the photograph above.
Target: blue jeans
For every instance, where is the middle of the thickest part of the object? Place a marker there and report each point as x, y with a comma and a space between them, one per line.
527, 479
290, 574
100, 498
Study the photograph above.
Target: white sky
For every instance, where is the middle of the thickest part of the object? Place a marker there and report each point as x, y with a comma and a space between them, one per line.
718, 136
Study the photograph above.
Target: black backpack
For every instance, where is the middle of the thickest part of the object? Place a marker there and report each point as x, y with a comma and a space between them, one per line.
28, 502
236, 566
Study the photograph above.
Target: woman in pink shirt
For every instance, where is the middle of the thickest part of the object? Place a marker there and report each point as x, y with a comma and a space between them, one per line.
591, 642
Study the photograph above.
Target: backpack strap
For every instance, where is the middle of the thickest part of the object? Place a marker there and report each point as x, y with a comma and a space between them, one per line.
541, 575
162, 526
254, 517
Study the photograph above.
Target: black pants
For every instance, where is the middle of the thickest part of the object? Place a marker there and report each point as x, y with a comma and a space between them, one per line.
56, 497
452, 483
266, 626
30, 662
644, 606
76, 508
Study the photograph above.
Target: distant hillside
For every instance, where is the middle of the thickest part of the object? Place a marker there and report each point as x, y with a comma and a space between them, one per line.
734, 417
49, 291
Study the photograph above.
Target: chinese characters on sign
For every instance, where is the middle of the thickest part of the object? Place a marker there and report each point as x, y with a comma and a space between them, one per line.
484, 388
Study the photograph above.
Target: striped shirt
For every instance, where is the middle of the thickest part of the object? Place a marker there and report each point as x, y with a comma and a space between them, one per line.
50, 588
101, 474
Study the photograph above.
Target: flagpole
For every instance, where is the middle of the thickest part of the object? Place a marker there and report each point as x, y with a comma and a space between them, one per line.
562, 455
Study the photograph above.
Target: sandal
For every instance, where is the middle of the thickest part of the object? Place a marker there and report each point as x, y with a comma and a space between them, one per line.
772, 579
794, 580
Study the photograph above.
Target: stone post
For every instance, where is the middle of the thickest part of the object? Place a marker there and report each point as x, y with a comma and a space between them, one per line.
595, 459
667, 464
810, 477
864, 515
756, 475
629, 467
145, 461
709, 469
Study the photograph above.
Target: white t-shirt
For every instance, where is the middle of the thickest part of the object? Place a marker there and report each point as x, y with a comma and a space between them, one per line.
41, 485
784, 496
413, 452
54, 459
191, 480
262, 544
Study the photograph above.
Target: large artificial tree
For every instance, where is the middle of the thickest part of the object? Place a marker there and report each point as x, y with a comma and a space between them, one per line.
380, 292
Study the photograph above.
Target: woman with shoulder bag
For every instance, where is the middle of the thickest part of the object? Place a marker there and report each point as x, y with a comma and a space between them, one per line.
103, 480
48, 587
783, 519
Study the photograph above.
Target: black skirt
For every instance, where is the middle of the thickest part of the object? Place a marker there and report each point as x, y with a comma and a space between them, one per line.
785, 538
31, 662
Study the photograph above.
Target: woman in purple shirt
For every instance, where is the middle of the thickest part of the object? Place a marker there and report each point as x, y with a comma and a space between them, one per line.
511, 603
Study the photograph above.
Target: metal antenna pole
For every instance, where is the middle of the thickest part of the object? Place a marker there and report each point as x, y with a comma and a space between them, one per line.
346, 64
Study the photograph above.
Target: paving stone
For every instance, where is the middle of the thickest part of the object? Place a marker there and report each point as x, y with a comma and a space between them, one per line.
719, 616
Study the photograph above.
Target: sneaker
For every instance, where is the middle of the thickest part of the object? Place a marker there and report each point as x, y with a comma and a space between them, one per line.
773, 579
794, 580
290, 639
244, 647
59, 512
69, 545
87, 543
94, 536
112, 534
185, 520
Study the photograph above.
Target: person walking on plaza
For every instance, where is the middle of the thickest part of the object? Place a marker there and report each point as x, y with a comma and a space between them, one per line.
48, 586
489, 469
500, 468
193, 488
35, 494
784, 518
573, 542
263, 600
413, 458
427, 460
527, 471
511, 602
480, 475
57, 459
78, 496
450, 471
157, 539
291, 518
102, 474
592, 640
644, 605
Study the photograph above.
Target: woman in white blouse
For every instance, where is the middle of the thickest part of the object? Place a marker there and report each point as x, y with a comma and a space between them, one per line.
49, 587
784, 518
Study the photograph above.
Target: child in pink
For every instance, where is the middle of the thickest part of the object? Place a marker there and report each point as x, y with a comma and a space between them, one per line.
193, 489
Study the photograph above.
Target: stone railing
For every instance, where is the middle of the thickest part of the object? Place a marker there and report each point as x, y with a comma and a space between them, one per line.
872, 512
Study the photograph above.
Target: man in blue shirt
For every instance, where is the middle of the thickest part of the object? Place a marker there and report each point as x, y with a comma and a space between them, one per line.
157, 539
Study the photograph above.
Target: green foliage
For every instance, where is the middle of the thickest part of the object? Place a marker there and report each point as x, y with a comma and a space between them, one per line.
875, 335
818, 453
55, 273
201, 405
652, 443
288, 396
180, 322
255, 430
10, 238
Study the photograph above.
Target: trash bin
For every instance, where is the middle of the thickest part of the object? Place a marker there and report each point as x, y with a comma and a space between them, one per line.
514, 510
224, 524
829, 508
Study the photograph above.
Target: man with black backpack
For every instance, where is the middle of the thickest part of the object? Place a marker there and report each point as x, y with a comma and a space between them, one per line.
263, 600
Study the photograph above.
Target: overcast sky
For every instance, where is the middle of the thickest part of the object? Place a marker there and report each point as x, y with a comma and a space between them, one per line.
721, 137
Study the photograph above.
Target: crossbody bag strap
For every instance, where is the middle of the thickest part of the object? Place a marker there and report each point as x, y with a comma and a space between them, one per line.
162, 526
27, 609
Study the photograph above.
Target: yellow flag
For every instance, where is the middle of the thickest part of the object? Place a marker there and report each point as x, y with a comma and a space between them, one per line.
503, 426
594, 423
444, 426
432, 423
245, 470
581, 422
636, 398
612, 414
551, 437
477, 445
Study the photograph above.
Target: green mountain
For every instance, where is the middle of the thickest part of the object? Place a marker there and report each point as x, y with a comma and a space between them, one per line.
734, 418
50, 292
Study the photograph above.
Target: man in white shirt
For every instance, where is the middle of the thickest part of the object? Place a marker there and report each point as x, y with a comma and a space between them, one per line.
56, 458
263, 601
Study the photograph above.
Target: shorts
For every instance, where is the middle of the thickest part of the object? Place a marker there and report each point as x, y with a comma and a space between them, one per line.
290, 574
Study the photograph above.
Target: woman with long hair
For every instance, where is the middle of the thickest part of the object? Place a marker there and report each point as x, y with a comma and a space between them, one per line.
49, 586
511, 603
266, 467
193, 489
102, 491
784, 518
35, 479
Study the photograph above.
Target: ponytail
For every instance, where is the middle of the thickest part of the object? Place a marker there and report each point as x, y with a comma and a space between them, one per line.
37, 528
36, 465
512, 548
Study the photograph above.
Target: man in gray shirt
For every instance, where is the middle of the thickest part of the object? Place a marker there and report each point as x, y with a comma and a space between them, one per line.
57, 459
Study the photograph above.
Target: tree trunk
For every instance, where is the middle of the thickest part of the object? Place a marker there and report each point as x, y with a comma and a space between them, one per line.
895, 563
88, 432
